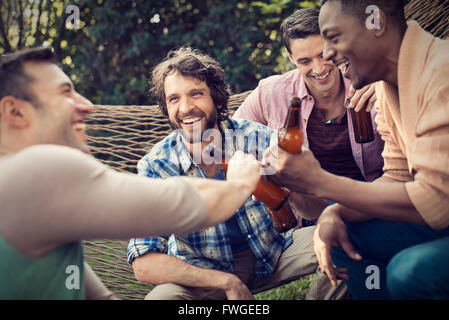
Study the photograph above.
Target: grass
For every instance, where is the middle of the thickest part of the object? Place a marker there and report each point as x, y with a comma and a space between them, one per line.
295, 290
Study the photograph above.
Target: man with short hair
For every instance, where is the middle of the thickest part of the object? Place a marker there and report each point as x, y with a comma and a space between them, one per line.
327, 126
244, 255
53, 195
392, 234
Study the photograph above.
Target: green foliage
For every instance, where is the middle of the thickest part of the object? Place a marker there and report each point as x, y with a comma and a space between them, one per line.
120, 41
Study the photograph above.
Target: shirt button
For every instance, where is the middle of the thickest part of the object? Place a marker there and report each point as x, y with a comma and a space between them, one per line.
264, 260
249, 236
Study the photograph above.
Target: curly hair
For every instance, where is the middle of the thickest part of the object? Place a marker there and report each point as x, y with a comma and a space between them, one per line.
192, 63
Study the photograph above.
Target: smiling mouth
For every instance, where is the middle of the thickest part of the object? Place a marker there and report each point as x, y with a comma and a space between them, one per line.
343, 66
79, 126
191, 121
324, 76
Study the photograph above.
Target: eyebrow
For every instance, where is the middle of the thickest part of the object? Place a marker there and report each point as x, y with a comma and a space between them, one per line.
64, 85
327, 30
299, 60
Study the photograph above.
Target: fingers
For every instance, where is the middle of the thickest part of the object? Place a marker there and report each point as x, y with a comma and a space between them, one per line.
371, 102
362, 98
355, 97
328, 267
349, 249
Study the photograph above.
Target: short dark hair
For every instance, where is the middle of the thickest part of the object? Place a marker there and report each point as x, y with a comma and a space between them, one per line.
301, 24
15, 82
393, 8
192, 63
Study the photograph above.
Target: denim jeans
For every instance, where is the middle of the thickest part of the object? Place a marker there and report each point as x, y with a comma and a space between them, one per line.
400, 261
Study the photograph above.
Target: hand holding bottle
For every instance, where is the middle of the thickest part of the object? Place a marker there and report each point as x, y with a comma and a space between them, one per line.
243, 168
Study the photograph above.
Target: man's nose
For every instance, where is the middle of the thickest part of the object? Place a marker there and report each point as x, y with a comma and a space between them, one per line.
83, 104
318, 66
328, 52
185, 106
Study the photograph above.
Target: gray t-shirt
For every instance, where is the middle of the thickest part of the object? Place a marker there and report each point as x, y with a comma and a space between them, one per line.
52, 195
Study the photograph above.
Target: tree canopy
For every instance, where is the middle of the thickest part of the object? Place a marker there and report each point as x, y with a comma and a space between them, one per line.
110, 51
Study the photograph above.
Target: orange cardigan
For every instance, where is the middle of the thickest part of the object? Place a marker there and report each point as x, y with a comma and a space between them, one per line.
414, 123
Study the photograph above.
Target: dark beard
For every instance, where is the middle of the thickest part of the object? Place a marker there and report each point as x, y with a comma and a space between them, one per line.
210, 123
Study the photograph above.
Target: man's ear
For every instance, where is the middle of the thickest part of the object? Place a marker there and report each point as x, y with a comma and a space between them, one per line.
376, 21
290, 56
15, 112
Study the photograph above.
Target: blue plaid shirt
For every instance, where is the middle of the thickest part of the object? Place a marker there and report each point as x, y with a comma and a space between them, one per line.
211, 248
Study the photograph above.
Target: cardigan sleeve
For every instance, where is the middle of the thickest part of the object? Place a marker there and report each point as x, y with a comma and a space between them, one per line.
429, 192
395, 161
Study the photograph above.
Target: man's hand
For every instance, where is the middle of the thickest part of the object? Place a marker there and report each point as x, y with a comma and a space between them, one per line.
244, 168
300, 173
363, 98
235, 289
331, 232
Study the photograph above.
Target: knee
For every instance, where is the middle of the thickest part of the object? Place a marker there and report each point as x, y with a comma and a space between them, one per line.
406, 272
167, 291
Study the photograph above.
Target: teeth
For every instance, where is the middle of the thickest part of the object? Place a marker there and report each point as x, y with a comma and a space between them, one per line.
323, 77
79, 126
191, 120
344, 67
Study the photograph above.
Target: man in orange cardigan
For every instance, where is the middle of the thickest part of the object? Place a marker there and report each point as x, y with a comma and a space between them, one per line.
387, 238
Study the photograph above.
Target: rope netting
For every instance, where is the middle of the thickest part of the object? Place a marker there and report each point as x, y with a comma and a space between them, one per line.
120, 135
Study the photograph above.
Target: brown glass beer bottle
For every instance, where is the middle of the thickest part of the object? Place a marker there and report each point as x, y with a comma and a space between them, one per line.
362, 125
290, 139
274, 197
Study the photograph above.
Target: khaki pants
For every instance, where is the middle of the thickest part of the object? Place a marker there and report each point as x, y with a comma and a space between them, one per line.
297, 261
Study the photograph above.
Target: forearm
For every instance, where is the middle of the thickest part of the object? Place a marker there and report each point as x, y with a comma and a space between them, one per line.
310, 207
222, 197
95, 289
384, 198
159, 268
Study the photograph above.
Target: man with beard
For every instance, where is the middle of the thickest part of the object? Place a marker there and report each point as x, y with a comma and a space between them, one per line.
391, 236
244, 255
53, 194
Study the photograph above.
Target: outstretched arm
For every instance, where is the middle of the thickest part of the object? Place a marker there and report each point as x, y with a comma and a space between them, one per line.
71, 197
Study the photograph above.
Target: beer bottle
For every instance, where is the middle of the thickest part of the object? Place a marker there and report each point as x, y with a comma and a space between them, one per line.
362, 125
290, 139
274, 197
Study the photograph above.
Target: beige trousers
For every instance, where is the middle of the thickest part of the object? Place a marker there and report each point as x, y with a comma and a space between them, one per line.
297, 261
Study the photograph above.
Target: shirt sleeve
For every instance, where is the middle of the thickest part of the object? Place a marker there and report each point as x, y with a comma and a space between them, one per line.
395, 161
71, 196
251, 108
138, 247
429, 192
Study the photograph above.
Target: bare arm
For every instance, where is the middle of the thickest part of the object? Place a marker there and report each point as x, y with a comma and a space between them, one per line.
384, 198
159, 268
302, 173
95, 289
72, 197
310, 207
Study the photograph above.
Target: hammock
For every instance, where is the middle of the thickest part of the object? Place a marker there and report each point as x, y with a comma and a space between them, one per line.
120, 135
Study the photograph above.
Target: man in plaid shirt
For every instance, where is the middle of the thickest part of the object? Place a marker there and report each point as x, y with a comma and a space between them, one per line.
244, 255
